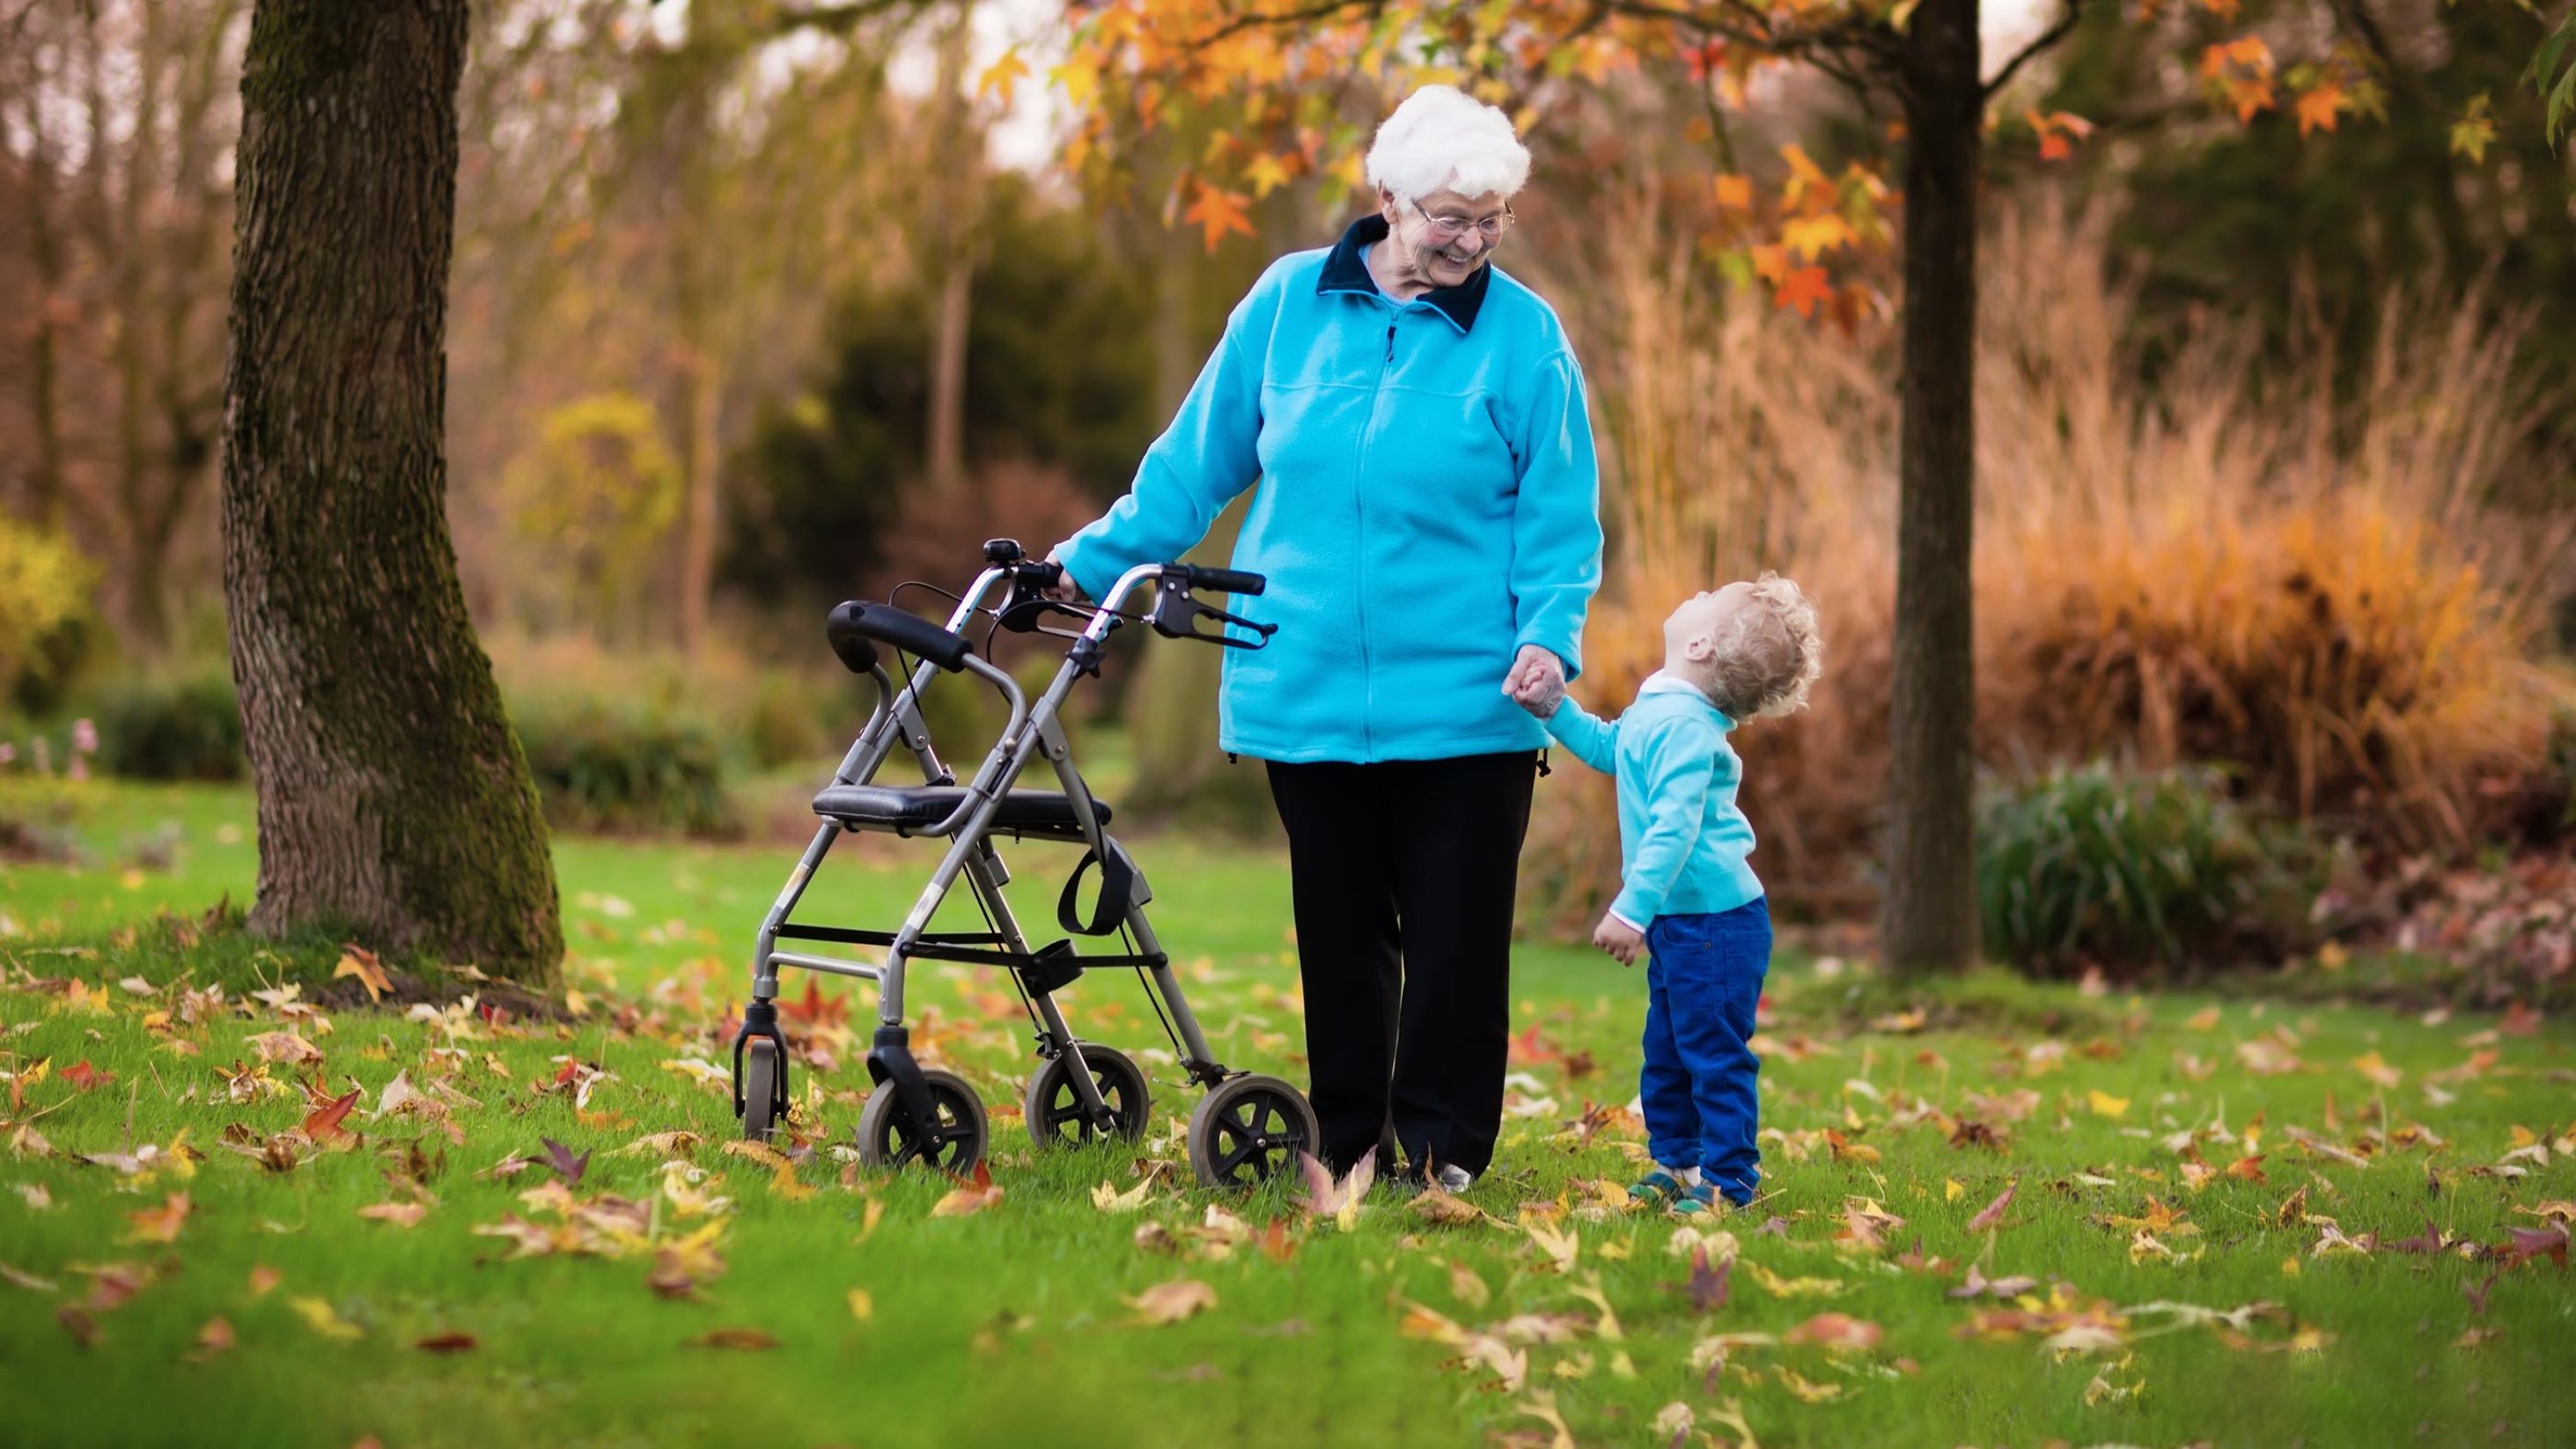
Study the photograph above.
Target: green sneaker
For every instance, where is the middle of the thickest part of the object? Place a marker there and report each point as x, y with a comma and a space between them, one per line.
1656, 1189
1696, 1202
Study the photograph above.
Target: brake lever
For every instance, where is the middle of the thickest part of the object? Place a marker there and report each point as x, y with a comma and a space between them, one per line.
1175, 611
1029, 604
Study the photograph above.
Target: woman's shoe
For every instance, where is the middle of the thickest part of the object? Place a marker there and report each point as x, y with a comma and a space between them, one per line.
1657, 1189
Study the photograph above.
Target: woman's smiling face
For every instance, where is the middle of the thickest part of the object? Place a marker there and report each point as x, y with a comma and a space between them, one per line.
1440, 238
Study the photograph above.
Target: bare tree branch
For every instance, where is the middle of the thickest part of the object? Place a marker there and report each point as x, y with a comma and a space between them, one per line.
2046, 40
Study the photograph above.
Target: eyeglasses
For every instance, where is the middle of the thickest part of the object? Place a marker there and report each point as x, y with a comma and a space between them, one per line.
1446, 229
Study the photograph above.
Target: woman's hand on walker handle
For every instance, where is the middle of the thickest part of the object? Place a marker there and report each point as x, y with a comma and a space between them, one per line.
1537, 681
1064, 590
1619, 939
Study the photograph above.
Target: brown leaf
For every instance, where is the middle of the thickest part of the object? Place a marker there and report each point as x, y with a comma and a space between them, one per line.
1446, 1209
745, 1338
1709, 1286
403, 1214
2248, 1169
1980, 1286
77, 1323
969, 1196
1171, 1302
566, 1166
323, 1122
262, 1279
2529, 1243
2429, 1242
216, 1337
1835, 1330
446, 1343
161, 1224
89, 1079
1993, 1212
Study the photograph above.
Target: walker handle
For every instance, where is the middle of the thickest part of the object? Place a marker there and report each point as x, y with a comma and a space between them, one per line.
1224, 581
901, 628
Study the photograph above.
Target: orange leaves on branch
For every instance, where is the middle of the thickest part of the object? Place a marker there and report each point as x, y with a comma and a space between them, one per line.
2320, 104
2058, 131
1217, 212
2239, 71
1001, 76
1803, 289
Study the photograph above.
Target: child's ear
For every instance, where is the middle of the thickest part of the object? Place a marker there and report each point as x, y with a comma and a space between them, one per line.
1700, 648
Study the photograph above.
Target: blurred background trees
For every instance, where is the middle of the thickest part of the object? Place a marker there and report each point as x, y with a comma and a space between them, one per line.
759, 305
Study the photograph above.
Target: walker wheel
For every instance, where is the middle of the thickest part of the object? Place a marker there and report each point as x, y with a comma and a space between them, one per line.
759, 1088
1055, 1113
888, 1137
1250, 1130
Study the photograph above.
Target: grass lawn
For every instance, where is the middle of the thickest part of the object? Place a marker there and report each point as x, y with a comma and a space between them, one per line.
2169, 1159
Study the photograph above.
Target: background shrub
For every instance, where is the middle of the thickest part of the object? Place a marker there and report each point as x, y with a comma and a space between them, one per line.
600, 767
2094, 865
184, 727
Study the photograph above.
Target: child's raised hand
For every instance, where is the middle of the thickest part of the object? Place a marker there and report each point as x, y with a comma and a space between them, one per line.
1623, 942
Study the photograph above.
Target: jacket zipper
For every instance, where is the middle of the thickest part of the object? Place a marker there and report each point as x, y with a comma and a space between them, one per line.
1359, 511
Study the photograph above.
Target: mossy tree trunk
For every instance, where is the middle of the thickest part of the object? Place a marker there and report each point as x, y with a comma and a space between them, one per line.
394, 800
1931, 922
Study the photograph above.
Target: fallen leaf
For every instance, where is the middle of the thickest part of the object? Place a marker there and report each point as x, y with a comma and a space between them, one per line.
2106, 1105
402, 1214
322, 1318
86, 1077
566, 1166
1323, 1197
970, 1196
21, 1278
360, 962
1992, 1214
262, 1279
161, 1224
1835, 1331
744, 1338
1443, 1208
2529, 1243
1708, 1285
446, 1343
862, 1306
1172, 1301
322, 1124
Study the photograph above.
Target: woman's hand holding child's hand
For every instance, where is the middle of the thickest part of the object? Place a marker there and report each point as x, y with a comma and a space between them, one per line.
1621, 940
1536, 681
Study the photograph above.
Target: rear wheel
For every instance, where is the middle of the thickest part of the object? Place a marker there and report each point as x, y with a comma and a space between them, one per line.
954, 1143
1054, 1110
1250, 1130
760, 1077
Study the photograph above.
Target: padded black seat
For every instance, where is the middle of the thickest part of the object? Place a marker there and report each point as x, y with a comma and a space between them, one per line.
918, 807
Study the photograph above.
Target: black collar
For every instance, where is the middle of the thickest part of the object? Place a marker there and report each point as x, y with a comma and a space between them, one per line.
1347, 271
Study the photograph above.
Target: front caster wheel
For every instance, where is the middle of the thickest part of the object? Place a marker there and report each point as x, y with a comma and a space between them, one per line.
760, 1077
888, 1137
1250, 1130
1055, 1113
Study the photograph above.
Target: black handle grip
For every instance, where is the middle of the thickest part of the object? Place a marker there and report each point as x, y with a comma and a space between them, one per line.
857, 622
1224, 581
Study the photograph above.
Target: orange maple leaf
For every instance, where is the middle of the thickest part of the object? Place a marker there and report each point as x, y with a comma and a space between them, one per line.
2319, 106
323, 1122
1804, 289
1735, 193
1218, 212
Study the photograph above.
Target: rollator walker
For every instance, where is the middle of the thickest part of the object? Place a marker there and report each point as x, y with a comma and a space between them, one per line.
1247, 1129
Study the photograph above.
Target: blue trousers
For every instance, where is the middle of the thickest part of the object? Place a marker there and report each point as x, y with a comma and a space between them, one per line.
1703, 978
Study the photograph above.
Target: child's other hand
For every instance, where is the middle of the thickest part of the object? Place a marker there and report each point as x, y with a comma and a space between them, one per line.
1064, 590
1623, 942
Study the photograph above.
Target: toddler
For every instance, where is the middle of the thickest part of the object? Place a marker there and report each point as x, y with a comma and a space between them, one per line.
1687, 896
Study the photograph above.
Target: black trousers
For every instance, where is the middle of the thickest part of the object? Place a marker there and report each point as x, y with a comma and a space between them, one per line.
1404, 874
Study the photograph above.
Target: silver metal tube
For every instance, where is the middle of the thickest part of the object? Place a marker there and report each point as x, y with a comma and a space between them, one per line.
831, 964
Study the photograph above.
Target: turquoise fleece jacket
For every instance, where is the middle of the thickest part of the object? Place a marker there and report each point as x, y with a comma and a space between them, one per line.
1684, 847
1428, 503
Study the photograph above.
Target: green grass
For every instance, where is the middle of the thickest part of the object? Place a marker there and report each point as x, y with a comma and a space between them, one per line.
1008, 1325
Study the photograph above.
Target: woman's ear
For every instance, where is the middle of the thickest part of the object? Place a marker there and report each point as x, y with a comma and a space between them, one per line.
1387, 207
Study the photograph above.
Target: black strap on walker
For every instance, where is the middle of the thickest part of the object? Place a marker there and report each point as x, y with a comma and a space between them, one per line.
1117, 885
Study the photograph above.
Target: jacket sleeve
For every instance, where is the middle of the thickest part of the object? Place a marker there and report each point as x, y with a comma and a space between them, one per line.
1556, 523
1207, 456
1681, 765
1591, 740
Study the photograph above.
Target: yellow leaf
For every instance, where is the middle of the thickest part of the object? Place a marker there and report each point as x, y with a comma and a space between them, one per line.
1812, 236
862, 1307
2379, 1072
1952, 1189
2205, 1019
1266, 175
1001, 75
2106, 1105
2289, 1267
360, 962
319, 1316
1081, 82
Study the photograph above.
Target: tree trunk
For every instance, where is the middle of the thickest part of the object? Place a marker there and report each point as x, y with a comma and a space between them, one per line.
1931, 920
43, 502
957, 151
394, 800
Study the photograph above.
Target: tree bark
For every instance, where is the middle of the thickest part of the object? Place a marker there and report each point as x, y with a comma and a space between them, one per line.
1931, 921
957, 150
394, 800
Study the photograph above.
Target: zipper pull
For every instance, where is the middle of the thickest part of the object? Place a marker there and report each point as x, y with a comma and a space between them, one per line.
1390, 342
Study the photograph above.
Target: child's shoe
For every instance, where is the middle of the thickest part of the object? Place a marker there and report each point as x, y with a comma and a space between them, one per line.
1657, 1189
1699, 1200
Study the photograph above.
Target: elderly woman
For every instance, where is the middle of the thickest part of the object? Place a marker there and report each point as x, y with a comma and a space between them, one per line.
1427, 516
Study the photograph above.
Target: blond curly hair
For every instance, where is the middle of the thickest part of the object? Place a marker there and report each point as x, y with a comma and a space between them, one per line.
1769, 653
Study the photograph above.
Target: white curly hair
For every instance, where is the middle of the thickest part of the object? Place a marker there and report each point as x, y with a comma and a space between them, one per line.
1442, 139
1768, 653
